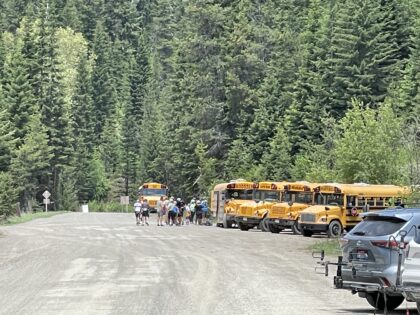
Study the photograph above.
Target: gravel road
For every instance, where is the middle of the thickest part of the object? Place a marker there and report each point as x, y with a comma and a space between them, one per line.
100, 263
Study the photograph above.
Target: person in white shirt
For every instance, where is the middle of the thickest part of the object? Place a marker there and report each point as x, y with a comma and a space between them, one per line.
137, 211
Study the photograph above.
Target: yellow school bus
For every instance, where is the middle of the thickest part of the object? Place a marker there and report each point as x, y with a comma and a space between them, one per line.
337, 206
152, 192
226, 199
251, 214
285, 215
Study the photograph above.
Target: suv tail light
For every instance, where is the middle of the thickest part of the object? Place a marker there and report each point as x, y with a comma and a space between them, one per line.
385, 282
388, 244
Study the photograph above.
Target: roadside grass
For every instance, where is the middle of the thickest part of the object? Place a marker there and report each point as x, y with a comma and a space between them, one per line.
330, 247
96, 206
29, 217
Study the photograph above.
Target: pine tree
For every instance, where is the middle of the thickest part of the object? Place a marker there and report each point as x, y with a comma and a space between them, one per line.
276, 161
7, 137
30, 166
8, 195
122, 20
239, 162
51, 101
111, 146
12, 12
82, 120
310, 99
364, 56
70, 16
68, 191
18, 94
207, 168
96, 178
91, 13
103, 78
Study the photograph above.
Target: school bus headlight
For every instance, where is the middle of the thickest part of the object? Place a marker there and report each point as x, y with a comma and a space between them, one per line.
323, 219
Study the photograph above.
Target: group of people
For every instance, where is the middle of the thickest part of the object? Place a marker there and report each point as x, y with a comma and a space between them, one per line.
141, 210
173, 212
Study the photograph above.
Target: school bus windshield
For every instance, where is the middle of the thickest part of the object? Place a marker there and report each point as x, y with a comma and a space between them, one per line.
243, 194
299, 197
329, 199
267, 195
153, 192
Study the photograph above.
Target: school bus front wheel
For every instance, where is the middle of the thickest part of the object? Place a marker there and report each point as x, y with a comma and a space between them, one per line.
335, 229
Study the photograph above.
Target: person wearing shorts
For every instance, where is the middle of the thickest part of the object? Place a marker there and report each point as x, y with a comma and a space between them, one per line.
173, 212
145, 212
137, 211
160, 207
199, 212
181, 207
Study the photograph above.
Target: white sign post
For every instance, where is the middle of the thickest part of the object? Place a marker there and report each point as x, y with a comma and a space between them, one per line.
125, 200
46, 195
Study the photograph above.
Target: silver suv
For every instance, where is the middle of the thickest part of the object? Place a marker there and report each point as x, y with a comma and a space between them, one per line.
370, 256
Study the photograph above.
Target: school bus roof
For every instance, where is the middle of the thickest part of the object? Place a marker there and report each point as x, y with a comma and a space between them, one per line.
237, 184
363, 189
267, 185
152, 185
301, 186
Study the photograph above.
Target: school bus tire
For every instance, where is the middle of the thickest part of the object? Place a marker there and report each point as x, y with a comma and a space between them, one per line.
226, 223
274, 229
265, 227
335, 229
243, 227
307, 233
296, 228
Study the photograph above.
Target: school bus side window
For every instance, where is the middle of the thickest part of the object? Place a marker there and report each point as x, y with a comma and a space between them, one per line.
371, 201
351, 201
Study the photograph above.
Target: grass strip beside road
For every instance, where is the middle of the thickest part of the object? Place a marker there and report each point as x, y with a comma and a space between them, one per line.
330, 247
29, 217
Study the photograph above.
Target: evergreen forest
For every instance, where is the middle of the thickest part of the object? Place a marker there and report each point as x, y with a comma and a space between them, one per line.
99, 96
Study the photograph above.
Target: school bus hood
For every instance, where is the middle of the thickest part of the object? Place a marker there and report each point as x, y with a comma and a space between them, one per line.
232, 206
255, 209
321, 209
283, 209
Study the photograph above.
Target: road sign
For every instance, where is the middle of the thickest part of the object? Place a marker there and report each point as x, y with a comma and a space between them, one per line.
125, 200
46, 201
46, 194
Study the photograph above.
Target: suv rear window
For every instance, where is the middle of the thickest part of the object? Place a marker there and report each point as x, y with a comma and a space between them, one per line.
378, 226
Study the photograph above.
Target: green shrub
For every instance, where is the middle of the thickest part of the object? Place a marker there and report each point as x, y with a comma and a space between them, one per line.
97, 206
8, 196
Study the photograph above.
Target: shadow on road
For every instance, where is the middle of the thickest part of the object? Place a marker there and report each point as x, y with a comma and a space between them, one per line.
412, 311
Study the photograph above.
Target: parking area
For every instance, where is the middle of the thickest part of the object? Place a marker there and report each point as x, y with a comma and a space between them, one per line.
102, 263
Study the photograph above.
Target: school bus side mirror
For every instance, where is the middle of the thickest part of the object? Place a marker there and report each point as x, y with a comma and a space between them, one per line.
290, 203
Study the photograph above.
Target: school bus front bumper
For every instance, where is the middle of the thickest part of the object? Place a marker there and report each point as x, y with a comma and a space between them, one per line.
287, 223
248, 220
315, 228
